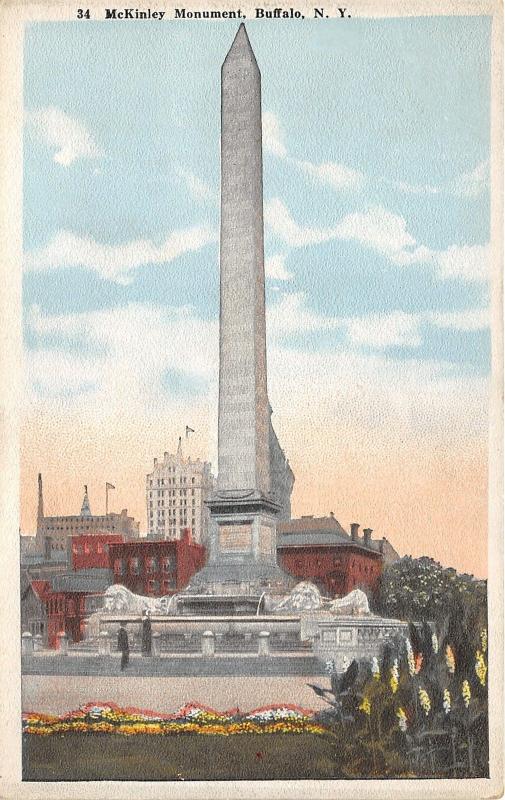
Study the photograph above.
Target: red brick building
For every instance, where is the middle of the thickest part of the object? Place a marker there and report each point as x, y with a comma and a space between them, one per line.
318, 549
70, 599
91, 551
156, 567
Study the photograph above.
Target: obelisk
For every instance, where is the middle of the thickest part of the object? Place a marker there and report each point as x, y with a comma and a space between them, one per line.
243, 448
242, 547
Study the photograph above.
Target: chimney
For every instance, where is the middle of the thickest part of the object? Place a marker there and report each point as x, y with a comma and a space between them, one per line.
354, 531
332, 515
381, 544
367, 536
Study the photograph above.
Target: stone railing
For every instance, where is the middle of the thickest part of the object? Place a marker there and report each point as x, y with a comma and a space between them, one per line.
343, 639
106, 645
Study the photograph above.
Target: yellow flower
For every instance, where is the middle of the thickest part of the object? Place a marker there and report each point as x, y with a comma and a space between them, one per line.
447, 701
480, 668
365, 706
393, 681
466, 693
424, 700
483, 639
450, 659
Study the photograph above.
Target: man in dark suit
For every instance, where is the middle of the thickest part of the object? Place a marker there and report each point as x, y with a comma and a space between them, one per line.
146, 633
123, 645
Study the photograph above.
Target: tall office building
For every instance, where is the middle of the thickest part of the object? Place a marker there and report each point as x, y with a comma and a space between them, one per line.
176, 491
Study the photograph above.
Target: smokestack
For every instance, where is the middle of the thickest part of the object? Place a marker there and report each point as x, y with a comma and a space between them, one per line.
40, 506
354, 531
367, 536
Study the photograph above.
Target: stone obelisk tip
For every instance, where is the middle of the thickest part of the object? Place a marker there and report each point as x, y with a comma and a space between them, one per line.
241, 47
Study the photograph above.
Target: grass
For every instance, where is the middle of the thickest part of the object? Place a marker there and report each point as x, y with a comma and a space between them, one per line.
87, 757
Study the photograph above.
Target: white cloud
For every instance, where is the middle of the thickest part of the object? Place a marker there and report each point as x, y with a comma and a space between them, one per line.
272, 135
472, 319
115, 262
468, 184
376, 228
135, 345
469, 262
473, 183
275, 267
330, 173
386, 233
380, 331
339, 176
68, 136
196, 187
280, 221
335, 175
290, 314
132, 346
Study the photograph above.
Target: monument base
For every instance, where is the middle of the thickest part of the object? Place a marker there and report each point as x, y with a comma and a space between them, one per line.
242, 564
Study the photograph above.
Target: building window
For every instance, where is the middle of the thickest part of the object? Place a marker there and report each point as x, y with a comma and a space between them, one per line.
167, 563
119, 566
135, 565
152, 564
168, 585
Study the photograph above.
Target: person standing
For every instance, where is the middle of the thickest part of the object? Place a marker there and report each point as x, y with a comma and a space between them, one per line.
146, 633
123, 645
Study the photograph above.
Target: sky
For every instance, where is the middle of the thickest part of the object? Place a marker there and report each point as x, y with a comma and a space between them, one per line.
376, 205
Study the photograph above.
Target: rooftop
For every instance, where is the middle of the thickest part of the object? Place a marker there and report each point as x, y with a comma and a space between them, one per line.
327, 525
92, 580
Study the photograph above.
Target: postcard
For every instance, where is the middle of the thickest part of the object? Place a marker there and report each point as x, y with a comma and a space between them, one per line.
252, 400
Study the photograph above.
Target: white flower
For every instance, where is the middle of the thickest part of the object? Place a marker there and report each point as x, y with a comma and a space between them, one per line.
447, 701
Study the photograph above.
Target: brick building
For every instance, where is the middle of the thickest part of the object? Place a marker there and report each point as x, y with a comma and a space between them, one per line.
318, 549
156, 567
53, 533
92, 550
70, 599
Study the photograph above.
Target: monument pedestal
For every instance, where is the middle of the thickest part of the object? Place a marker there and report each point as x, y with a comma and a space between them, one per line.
242, 561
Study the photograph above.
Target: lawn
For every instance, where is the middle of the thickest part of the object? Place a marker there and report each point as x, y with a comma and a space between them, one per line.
95, 756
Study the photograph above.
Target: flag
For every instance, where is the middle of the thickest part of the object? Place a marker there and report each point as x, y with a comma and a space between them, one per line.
188, 430
109, 486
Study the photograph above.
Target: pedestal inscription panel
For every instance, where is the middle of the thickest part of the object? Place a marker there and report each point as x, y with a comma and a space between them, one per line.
235, 538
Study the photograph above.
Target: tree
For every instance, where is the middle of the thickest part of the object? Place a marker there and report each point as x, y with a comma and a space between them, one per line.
421, 589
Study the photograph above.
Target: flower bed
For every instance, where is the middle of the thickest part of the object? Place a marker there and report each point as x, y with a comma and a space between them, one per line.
192, 718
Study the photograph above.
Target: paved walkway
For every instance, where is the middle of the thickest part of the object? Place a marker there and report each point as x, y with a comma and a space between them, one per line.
53, 694
175, 666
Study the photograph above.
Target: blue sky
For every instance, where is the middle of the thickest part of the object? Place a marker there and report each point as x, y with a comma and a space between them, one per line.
383, 98
376, 206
